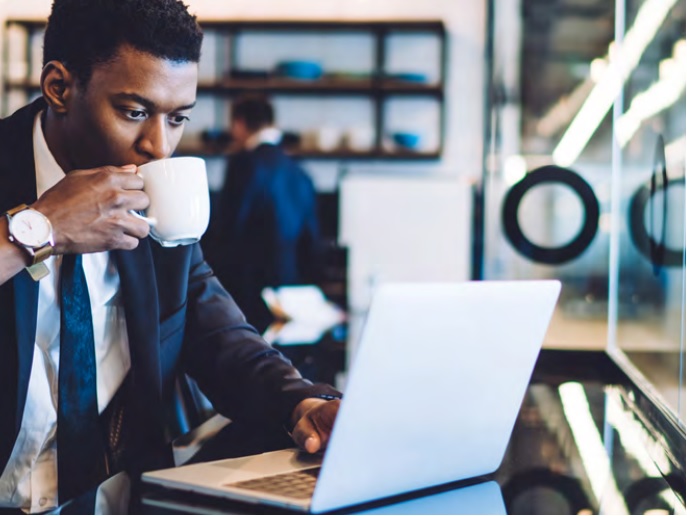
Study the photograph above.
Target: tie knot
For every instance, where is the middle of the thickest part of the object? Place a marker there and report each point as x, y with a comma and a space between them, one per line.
71, 260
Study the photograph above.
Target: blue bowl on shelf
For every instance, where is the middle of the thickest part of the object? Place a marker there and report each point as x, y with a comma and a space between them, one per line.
414, 77
301, 70
406, 140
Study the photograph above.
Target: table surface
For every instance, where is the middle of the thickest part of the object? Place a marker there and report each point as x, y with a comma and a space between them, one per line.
579, 446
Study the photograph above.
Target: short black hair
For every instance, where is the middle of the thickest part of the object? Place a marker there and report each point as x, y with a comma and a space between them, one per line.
84, 33
255, 110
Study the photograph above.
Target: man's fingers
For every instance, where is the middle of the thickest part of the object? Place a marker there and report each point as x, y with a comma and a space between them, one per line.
123, 177
126, 177
306, 436
128, 243
137, 228
135, 200
314, 428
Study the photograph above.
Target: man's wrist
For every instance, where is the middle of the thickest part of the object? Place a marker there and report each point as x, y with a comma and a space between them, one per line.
13, 259
19, 255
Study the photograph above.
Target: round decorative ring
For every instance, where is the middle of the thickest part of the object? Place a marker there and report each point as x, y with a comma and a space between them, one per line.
656, 252
550, 255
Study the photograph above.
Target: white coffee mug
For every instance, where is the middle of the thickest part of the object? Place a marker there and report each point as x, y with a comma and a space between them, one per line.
179, 209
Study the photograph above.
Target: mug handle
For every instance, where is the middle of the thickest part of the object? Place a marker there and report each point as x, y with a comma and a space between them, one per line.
152, 221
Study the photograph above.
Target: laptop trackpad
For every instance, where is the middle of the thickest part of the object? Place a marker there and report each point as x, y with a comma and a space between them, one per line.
271, 463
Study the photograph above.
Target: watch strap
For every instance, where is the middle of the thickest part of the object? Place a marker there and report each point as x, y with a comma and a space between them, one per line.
43, 253
16, 209
38, 271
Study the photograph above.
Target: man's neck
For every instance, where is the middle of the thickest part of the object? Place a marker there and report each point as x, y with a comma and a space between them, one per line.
270, 135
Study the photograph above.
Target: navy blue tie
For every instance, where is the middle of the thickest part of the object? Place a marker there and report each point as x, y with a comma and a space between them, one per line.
80, 450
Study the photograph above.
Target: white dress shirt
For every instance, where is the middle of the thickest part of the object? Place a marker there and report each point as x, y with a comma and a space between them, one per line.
30, 477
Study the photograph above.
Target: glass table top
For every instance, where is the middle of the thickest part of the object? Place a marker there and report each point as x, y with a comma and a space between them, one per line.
579, 446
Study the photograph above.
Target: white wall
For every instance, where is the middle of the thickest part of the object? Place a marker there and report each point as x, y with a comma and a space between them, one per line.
465, 21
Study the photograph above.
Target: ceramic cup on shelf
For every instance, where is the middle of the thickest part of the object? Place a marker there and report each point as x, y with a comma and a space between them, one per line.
328, 138
179, 210
360, 139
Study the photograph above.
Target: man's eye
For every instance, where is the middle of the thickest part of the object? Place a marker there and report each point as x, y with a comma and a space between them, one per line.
178, 119
136, 114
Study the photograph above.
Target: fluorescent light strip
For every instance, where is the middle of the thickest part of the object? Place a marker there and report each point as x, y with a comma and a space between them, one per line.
659, 96
591, 447
564, 110
675, 151
649, 19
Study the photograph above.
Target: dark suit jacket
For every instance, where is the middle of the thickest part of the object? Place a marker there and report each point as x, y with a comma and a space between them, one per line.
265, 228
179, 318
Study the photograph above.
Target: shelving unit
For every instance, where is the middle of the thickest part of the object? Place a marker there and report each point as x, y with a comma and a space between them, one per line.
377, 86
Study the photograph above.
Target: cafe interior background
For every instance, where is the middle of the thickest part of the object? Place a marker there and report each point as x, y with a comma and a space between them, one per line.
452, 140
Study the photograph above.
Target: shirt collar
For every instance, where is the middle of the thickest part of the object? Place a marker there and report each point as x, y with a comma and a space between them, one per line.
48, 172
269, 135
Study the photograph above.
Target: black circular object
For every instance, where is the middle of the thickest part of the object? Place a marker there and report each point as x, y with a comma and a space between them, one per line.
550, 255
524, 483
656, 252
645, 493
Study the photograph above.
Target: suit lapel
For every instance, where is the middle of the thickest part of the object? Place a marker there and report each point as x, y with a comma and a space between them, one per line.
18, 297
26, 302
139, 292
25, 289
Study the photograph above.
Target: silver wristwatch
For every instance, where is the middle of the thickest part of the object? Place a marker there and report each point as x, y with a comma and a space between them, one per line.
31, 230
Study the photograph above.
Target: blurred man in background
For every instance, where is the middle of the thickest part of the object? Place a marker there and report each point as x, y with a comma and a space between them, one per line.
265, 228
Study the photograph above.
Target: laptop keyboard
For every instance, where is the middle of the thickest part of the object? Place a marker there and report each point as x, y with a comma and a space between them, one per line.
295, 484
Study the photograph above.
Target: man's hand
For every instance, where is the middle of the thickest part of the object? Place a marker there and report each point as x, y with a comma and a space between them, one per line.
313, 420
89, 210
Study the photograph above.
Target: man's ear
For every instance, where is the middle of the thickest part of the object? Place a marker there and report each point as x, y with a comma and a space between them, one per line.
57, 85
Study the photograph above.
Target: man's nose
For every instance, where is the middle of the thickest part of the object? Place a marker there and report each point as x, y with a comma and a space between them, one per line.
155, 141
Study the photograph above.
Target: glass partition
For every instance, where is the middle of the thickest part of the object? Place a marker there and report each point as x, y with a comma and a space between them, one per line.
584, 175
650, 134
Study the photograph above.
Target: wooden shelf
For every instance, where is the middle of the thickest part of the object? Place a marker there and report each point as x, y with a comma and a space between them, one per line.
325, 86
22, 85
327, 25
292, 86
209, 151
377, 84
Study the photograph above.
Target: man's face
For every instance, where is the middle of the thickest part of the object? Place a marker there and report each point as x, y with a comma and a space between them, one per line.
133, 110
239, 132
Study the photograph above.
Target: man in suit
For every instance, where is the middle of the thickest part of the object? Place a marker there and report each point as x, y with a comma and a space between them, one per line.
118, 83
265, 230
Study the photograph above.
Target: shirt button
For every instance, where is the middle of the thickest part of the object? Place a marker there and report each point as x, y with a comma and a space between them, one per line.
42, 501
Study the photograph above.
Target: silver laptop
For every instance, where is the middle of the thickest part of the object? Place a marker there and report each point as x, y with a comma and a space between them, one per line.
431, 398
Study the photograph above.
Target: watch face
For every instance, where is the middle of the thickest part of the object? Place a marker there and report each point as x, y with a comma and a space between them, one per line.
30, 228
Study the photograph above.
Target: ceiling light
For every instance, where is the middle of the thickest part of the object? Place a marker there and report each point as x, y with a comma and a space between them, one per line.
597, 69
659, 96
666, 68
675, 151
623, 59
562, 111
